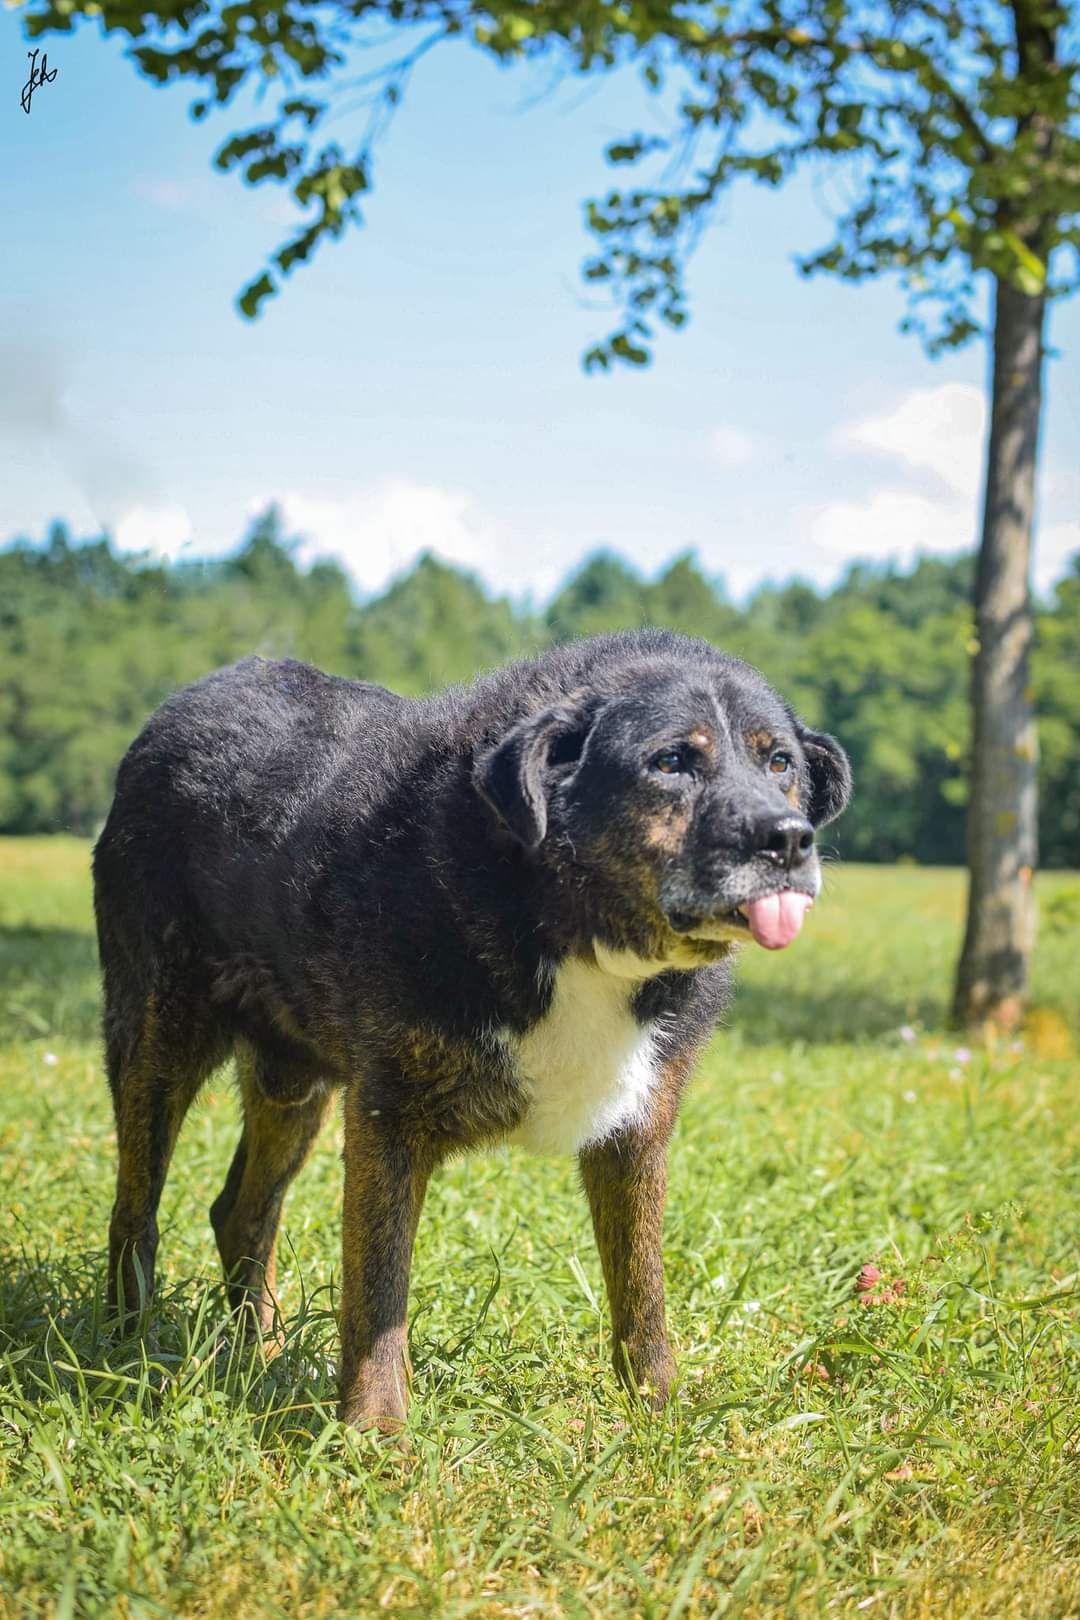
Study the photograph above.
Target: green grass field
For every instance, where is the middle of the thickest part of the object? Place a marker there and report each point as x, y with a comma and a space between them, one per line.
918, 1456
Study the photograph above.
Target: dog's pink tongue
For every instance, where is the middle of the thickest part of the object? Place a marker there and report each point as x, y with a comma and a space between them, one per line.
776, 919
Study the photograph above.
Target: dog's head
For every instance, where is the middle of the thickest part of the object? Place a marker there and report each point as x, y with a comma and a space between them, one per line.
681, 804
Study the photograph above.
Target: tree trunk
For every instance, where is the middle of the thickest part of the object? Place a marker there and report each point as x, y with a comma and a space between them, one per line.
992, 974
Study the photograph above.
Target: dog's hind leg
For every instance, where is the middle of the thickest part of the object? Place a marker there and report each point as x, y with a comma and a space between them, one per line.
154, 1073
277, 1138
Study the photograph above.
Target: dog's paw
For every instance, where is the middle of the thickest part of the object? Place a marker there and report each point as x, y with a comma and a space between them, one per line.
648, 1371
375, 1401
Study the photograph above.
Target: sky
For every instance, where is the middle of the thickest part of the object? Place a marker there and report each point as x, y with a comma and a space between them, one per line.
420, 386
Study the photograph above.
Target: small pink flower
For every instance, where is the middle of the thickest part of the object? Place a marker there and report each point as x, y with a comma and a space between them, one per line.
907, 1033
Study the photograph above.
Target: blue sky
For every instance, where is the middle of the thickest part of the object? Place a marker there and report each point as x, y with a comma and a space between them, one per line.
420, 384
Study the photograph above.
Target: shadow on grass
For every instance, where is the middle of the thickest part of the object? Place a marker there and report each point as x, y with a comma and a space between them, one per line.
49, 984
59, 1344
61, 1352
765, 1016
42, 1295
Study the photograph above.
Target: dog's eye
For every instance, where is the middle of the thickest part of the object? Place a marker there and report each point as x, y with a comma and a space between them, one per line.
780, 763
672, 762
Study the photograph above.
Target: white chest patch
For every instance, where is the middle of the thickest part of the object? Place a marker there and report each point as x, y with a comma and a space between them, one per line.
588, 1065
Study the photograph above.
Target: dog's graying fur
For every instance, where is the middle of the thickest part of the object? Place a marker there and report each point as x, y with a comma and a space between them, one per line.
502, 913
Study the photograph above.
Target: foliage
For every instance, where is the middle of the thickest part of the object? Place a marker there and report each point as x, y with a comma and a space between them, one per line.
435, 626
957, 123
913, 1458
1056, 671
90, 642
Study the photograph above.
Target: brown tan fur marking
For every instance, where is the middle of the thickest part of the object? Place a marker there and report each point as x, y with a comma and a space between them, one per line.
152, 1091
385, 1183
760, 743
276, 1140
625, 1180
668, 830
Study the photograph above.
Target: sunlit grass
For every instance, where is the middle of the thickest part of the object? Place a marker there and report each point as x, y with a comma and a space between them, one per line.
917, 1456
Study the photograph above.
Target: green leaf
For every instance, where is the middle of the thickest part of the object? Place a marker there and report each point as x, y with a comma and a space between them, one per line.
255, 294
1030, 273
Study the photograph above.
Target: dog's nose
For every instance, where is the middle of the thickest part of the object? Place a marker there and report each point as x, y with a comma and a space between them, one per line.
786, 840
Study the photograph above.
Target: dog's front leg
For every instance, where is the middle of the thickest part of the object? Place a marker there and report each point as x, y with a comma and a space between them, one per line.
385, 1182
626, 1182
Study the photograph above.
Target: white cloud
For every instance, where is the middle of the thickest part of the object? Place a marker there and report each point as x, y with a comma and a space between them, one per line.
377, 532
163, 531
941, 432
730, 447
891, 524
937, 430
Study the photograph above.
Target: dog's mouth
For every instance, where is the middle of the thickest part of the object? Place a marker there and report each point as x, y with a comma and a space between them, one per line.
772, 920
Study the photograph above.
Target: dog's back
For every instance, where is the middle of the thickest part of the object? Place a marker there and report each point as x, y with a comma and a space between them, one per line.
205, 799
238, 754
231, 761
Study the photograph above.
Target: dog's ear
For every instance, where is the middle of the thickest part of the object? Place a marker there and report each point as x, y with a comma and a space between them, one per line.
830, 775
513, 776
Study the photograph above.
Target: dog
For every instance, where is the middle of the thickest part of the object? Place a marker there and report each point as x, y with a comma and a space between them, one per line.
507, 912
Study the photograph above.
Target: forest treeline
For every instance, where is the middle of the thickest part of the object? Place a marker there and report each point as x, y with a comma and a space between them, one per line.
91, 641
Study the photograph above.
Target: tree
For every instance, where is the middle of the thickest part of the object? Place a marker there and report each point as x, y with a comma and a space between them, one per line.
959, 123
605, 593
433, 626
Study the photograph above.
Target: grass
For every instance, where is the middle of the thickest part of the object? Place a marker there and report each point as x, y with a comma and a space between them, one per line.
914, 1457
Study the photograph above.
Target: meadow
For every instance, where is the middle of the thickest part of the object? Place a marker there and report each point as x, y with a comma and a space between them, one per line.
909, 1448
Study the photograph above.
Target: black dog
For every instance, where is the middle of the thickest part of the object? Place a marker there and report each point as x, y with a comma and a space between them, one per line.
506, 912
